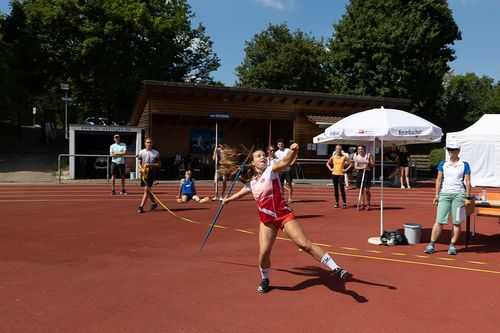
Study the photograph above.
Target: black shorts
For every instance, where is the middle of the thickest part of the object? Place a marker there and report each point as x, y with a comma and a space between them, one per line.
150, 180
117, 170
286, 175
404, 165
367, 183
189, 196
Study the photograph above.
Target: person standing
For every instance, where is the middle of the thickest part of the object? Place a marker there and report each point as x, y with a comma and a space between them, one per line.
285, 174
262, 180
117, 152
271, 158
337, 165
404, 166
350, 174
453, 191
363, 163
149, 162
217, 156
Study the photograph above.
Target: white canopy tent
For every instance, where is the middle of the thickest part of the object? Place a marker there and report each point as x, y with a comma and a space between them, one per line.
480, 146
386, 125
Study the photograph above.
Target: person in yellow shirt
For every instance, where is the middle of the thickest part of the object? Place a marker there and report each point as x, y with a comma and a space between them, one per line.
336, 164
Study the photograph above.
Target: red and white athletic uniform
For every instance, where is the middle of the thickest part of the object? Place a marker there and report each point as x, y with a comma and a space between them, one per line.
267, 191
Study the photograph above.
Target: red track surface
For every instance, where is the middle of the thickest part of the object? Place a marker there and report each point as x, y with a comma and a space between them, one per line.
75, 259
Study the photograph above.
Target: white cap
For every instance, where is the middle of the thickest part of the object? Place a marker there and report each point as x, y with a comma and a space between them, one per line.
452, 145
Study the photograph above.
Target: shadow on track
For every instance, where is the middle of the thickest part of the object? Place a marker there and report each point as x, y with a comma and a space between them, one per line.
311, 216
319, 276
186, 209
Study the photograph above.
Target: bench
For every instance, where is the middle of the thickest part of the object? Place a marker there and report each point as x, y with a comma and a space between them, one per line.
421, 163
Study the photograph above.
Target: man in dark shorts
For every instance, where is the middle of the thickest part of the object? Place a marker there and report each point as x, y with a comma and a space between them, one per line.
149, 162
117, 152
286, 174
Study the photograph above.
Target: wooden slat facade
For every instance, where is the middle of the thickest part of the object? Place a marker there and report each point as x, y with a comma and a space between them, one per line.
168, 111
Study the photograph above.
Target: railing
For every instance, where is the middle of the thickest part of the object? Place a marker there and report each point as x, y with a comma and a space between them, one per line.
88, 155
299, 171
108, 158
300, 162
81, 155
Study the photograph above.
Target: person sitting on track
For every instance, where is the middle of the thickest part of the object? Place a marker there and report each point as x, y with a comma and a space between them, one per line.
187, 190
262, 180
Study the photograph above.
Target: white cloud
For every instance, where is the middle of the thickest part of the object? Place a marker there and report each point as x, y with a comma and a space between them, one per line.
275, 4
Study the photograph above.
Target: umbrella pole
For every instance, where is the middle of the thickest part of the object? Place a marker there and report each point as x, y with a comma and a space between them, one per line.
376, 240
382, 186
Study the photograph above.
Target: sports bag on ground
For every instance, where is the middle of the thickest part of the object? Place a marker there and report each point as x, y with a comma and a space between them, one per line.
393, 237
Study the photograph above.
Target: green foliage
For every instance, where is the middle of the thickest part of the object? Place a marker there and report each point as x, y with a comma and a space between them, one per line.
104, 49
393, 48
279, 59
466, 99
435, 156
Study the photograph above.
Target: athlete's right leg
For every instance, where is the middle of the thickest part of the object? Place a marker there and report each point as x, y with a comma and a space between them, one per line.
267, 236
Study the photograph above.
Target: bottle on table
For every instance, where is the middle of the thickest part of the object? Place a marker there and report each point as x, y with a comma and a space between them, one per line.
483, 195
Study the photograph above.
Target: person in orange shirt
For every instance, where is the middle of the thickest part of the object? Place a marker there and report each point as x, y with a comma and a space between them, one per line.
336, 164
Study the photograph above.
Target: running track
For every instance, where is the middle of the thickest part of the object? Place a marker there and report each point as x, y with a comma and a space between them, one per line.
75, 259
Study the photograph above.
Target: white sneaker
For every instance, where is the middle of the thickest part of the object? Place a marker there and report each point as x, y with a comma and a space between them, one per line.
216, 198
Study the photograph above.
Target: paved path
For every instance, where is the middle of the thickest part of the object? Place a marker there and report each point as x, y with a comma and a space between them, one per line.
29, 160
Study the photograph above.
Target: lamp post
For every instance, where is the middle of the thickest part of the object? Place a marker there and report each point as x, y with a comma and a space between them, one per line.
34, 116
65, 99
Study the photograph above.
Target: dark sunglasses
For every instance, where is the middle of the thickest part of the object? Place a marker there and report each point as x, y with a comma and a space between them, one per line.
452, 149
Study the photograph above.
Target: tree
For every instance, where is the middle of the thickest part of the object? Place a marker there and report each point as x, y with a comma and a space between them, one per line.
466, 99
105, 48
393, 48
24, 65
279, 59
5, 55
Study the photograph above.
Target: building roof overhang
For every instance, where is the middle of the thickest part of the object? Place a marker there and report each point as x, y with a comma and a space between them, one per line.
225, 94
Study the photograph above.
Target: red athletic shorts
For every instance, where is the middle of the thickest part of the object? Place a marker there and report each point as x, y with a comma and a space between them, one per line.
281, 221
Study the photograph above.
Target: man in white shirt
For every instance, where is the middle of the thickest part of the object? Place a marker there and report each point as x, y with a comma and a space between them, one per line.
286, 174
149, 162
117, 152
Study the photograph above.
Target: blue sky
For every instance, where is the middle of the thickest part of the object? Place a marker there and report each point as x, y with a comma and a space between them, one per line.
230, 23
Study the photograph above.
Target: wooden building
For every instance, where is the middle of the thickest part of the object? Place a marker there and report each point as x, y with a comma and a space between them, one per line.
177, 116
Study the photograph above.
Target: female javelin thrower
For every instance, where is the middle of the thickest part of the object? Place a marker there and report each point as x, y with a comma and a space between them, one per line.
263, 182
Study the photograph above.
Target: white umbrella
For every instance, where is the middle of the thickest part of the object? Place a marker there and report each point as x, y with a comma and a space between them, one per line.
388, 125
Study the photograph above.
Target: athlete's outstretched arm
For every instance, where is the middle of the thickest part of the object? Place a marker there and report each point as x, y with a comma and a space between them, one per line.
241, 193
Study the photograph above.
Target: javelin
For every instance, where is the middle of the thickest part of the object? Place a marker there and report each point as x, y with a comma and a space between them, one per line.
222, 205
361, 187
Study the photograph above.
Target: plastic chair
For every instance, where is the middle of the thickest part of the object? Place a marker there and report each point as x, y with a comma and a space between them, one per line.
101, 165
486, 211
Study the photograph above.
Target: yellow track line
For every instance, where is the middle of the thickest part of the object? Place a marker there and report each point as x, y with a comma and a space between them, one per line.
414, 262
354, 249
